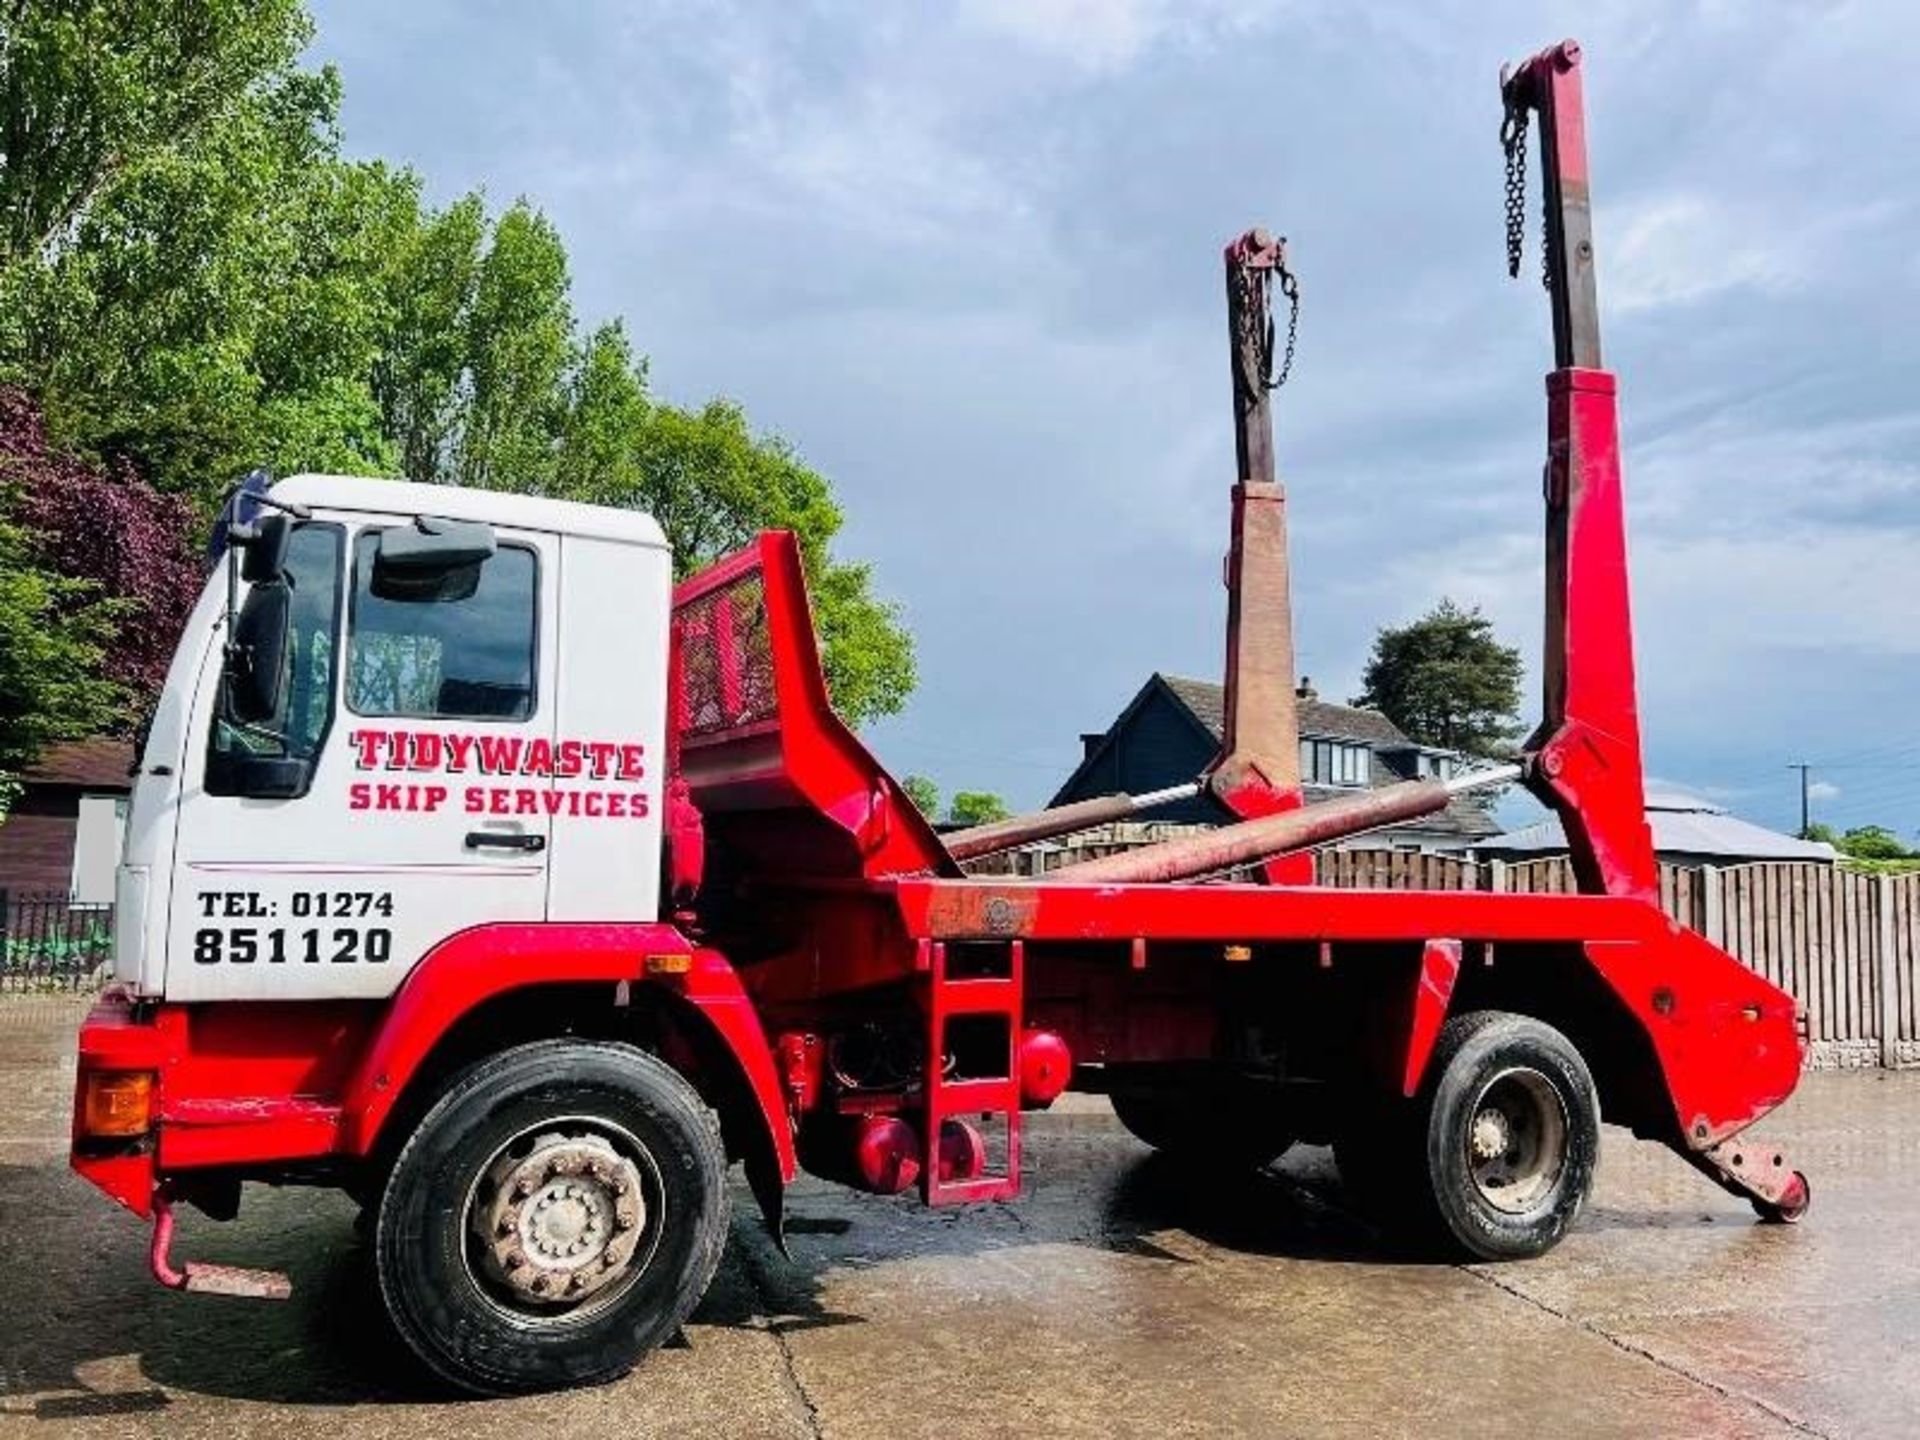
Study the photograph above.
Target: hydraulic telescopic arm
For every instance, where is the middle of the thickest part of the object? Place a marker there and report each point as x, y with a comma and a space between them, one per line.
1584, 759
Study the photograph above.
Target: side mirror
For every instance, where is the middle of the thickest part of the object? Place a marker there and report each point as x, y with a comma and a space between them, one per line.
257, 667
431, 559
263, 548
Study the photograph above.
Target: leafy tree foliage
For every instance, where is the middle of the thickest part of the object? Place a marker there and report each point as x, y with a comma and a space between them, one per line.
1871, 842
108, 536
53, 635
1446, 680
89, 88
215, 301
65, 672
924, 794
194, 279
977, 807
522, 402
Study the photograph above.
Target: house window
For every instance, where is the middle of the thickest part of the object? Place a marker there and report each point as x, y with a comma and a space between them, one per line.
1436, 766
1335, 762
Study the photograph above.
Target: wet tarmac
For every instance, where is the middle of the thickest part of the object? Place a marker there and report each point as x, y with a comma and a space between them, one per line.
1119, 1297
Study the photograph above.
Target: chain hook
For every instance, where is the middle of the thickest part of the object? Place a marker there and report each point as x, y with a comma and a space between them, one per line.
1289, 287
1513, 140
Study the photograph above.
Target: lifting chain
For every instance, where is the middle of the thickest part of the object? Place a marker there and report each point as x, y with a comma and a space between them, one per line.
1513, 140
1256, 313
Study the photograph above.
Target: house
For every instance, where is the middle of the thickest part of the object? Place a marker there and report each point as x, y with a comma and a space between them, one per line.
62, 837
1686, 831
1171, 730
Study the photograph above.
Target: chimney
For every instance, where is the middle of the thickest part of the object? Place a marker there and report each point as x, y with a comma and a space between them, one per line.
1305, 690
1089, 742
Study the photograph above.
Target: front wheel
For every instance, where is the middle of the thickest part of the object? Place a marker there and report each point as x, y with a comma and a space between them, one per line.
557, 1214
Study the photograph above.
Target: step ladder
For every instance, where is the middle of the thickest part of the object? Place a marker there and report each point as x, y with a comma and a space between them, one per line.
971, 1097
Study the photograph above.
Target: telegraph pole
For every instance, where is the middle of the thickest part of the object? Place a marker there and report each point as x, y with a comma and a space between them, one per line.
1806, 817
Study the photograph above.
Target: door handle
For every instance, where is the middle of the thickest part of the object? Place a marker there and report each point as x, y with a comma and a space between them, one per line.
499, 840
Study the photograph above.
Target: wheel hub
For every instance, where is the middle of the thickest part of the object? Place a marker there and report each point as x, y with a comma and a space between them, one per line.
1491, 1135
1517, 1142
563, 1220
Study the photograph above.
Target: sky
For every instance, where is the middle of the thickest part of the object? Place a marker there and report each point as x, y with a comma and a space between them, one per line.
966, 258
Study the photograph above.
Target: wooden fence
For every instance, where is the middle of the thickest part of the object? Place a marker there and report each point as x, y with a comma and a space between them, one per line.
1845, 945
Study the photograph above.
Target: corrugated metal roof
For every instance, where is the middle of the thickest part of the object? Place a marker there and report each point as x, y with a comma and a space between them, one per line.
1681, 825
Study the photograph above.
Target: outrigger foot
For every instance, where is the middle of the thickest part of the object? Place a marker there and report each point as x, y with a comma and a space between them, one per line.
1779, 1194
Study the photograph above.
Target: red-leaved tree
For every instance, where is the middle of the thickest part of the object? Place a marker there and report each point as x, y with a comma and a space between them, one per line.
108, 527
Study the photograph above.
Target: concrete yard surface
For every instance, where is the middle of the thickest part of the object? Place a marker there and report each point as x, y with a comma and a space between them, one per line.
1121, 1296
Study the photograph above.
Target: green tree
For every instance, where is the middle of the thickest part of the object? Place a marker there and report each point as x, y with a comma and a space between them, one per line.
195, 281
222, 301
977, 807
92, 89
713, 484
519, 346
1446, 680
924, 794
423, 356
1871, 842
53, 639
485, 380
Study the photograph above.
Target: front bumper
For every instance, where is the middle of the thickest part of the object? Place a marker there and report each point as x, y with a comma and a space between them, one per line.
116, 1036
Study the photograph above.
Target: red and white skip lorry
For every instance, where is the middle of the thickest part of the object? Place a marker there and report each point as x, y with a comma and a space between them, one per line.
476, 868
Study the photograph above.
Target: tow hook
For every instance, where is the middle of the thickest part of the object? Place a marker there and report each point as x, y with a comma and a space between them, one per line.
1779, 1194
204, 1279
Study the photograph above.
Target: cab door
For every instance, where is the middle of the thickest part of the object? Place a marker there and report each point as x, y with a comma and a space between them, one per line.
423, 718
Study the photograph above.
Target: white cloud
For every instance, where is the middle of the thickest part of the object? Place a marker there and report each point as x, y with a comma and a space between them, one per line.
1822, 790
1669, 250
1109, 36
1677, 249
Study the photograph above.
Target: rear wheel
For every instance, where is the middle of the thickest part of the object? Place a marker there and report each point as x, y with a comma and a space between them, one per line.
1239, 1127
1495, 1157
557, 1214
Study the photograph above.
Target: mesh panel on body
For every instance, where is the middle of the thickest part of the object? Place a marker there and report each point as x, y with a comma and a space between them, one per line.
726, 659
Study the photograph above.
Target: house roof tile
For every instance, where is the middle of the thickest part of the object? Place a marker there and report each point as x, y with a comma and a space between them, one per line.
86, 764
1318, 718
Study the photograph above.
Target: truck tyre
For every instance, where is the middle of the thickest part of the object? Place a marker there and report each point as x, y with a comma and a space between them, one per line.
1495, 1157
557, 1213
1206, 1127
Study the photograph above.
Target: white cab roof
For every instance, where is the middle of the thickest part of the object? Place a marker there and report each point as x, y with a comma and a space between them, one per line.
454, 502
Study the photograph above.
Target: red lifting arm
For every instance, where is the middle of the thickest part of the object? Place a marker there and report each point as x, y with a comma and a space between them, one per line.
1584, 759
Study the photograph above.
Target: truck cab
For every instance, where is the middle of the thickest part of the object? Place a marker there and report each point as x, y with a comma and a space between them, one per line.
441, 745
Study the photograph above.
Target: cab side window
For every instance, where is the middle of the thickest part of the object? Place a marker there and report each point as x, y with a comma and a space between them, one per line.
460, 648
314, 556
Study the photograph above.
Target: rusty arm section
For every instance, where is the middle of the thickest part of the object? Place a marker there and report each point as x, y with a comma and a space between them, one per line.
1019, 830
1258, 771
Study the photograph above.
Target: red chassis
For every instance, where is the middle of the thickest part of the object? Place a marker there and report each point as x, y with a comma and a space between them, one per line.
838, 990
